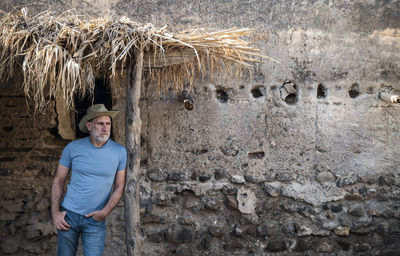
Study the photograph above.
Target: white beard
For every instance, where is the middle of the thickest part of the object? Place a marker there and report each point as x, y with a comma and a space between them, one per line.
97, 137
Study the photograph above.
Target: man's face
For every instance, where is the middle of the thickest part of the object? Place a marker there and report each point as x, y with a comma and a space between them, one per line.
100, 128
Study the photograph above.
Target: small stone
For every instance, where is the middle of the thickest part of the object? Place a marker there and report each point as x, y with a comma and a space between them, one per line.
330, 216
304, 231
358, 211
272, 189
231, 201
218, 175
361, 228
186, 220
191, 202
233, 244
176, 234
203, 245
177, 176
262, 230
276, 246
216, 231
157, 237
252, 178
285, 177
336, 208
213, 203
246, 201
325, 177
324, 247
10, 245
373, 212
204, 178
289, 229
151, 218
344, 244
227, 190
342, 231
362, 247
237, 231
329, 225
183, 252
156, 175
237, 179
363, 191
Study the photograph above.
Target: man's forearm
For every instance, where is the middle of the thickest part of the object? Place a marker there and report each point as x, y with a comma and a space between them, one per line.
56, 193
113, 201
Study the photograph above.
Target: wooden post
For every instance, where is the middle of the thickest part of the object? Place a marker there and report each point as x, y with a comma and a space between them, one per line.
133, 125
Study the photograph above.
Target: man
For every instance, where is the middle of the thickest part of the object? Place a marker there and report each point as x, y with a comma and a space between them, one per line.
97, 164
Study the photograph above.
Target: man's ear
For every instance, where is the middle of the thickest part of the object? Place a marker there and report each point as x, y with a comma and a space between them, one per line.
89, 126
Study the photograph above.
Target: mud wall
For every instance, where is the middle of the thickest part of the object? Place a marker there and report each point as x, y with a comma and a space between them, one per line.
300, 157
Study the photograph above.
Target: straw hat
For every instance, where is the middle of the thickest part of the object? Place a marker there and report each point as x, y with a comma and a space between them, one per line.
93, 112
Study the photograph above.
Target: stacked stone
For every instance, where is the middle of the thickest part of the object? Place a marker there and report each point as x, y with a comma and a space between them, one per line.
241, 215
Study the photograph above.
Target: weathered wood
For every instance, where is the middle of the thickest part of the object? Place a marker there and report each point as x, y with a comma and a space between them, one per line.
172, 57
66, 118
133, 125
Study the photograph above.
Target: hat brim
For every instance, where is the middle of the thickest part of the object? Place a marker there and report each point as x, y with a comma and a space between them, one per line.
90, 116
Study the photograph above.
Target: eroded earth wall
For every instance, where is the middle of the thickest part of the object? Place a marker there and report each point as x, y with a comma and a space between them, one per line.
300, 157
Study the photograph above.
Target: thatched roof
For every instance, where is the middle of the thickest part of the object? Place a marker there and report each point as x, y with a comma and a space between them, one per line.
67, 52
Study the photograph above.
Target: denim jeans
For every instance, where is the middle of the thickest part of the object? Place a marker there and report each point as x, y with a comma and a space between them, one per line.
93, 235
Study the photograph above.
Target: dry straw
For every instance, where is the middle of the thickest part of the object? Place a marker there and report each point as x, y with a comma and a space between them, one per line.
64, 54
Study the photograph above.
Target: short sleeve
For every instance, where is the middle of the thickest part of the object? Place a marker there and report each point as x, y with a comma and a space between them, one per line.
122, 161
65, 159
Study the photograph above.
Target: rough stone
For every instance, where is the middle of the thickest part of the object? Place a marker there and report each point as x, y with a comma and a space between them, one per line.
176, 176
156, 175
336, 208
325, 177
176, 234
273, 189
276, 246
342, 231
246, 201
304, 231
231, 202
237, 179
216, 231
315, 194
262, 230
358, 211
157, 237
253, 178
213, 203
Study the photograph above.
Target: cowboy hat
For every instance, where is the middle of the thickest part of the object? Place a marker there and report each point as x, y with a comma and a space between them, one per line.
93, 112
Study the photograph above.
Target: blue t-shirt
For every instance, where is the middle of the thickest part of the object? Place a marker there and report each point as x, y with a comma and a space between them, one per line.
93, 172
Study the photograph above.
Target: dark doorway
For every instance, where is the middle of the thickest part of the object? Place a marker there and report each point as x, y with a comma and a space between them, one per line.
101, 95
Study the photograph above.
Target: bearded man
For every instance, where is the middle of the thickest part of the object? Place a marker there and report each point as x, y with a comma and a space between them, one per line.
97, 166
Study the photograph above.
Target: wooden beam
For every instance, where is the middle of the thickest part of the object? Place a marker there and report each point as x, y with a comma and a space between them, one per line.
133, 125
172, 57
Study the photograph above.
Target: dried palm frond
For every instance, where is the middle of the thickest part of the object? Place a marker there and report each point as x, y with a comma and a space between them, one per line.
65, 53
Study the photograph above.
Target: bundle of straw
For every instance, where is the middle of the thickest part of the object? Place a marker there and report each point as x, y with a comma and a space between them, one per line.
66, 53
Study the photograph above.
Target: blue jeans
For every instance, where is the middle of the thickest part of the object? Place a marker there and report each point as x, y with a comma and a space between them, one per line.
93, 235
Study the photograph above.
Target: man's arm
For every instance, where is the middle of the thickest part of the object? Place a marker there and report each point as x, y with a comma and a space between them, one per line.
116, 195
57, 190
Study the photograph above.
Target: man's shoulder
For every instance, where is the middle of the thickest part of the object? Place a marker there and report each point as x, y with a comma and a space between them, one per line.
116, 144
77, 142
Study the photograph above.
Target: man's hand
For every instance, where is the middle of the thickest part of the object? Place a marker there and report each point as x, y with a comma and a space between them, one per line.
97, 215
59, 221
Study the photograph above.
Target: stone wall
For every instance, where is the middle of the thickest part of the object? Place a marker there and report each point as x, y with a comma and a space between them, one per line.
300, 157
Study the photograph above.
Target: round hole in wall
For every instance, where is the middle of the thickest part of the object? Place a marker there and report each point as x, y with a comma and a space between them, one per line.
321, 91
291, 99
222, 95
257, 93
354, 91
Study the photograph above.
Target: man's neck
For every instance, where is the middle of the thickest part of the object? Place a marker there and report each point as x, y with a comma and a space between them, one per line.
96, 143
